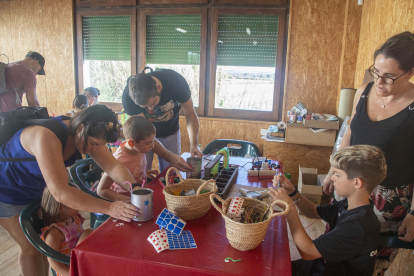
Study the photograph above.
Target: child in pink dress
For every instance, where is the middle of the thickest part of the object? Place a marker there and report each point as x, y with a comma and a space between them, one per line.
139, 134
64, 230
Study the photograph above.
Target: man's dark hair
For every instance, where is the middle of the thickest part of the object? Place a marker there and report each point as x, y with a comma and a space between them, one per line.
141, 88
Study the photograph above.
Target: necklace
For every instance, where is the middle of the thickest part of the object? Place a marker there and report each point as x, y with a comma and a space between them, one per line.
382, 98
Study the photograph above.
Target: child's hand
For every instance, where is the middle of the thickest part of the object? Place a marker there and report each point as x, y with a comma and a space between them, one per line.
284, 183
123, 211
152, 174
281, 195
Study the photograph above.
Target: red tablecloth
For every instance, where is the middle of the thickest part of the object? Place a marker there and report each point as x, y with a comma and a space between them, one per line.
124, 250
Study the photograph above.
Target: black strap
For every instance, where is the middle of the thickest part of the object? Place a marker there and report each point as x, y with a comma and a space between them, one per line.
147, 67
54, 125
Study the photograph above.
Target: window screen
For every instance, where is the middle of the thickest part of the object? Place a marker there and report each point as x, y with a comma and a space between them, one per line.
247, 40
106, 37
173, 39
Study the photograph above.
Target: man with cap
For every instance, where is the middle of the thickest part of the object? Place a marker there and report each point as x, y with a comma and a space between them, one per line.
21, 78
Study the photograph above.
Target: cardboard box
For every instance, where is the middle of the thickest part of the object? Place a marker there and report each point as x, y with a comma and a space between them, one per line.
309, 185
296, 133
321, 124
278, 134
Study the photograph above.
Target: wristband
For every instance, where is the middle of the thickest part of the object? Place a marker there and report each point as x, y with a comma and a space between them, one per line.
294, 192
411, 212
135, 185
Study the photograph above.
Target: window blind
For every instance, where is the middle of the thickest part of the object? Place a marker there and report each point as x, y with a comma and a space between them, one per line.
247, 40
173, 39
106, 37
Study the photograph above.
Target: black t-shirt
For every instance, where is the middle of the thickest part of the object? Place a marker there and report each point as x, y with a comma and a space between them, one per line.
349, 248
175, 90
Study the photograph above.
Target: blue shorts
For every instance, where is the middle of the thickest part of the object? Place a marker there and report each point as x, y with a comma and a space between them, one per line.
8, 210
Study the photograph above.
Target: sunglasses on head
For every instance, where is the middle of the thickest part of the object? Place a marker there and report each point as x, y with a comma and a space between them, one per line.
110, 126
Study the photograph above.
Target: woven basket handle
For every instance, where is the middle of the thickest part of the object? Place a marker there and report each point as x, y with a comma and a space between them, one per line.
279, 213
205, 184
214, 196
167, 183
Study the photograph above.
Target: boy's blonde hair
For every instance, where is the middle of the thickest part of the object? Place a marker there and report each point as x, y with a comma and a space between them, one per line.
50, 207
138, 128
361, 161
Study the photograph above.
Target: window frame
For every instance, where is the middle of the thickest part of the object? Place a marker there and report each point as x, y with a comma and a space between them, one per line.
246, 114
203, 43
79, 42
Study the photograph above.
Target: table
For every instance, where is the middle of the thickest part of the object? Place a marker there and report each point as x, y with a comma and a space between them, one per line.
124, 250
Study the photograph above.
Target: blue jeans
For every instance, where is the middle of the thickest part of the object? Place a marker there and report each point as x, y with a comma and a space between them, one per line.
171, 143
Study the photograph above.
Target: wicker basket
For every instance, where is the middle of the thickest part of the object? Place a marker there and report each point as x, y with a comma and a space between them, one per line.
189, 207
247, 236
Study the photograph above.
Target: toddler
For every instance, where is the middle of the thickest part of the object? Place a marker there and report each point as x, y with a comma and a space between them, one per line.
139, 134
64, 230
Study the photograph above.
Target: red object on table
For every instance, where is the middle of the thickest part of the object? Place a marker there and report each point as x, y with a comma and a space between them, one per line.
124, 250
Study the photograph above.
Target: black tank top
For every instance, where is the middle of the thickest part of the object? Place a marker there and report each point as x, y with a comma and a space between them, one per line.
394, 136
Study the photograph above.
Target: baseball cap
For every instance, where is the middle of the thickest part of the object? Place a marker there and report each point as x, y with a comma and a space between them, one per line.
40, 58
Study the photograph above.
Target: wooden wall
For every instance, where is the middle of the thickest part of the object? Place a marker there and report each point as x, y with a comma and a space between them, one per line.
382, 19
44, 26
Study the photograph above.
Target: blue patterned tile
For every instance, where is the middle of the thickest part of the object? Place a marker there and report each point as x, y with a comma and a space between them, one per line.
170, 222
183, 241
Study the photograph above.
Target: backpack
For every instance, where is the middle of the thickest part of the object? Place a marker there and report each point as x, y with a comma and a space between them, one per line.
13, 121
3, 88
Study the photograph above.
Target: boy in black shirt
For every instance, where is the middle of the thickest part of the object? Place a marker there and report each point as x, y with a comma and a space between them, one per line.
349, 248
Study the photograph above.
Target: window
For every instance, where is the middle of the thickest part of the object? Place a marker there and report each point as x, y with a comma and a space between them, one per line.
174, 41
245, 57
106, 54
230, 52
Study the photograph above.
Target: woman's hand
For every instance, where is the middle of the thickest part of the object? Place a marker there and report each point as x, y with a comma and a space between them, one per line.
123, 211
195, 151
407, 229
328, 186
285, 183
179, 163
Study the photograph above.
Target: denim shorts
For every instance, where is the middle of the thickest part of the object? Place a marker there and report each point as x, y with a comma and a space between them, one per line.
8, 210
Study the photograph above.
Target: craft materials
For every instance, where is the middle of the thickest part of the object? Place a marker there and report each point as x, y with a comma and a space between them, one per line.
143, 199
225, 178
299, 119
159, 240
183, 241
230, 259
254, 195
195, 164
163, 240
170, 222
234, 210
278, 182
226, 159
281, 125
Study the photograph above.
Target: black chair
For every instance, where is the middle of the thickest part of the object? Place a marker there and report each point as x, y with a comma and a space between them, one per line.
84, 173
392, 240
32, 225
236, 147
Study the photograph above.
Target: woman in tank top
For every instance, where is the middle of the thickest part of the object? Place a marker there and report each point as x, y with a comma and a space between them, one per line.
383, 116
22, 182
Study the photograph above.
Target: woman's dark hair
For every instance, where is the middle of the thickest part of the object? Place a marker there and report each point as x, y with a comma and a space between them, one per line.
92, 90
99, 122
399, 47
81, 101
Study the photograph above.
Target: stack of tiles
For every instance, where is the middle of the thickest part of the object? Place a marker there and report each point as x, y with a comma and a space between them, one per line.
171, 234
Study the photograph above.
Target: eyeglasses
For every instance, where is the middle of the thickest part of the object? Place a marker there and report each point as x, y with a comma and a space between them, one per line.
376, 76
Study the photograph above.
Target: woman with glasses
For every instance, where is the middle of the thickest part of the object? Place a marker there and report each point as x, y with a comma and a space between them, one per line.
21, 182
92, 94
383, 116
